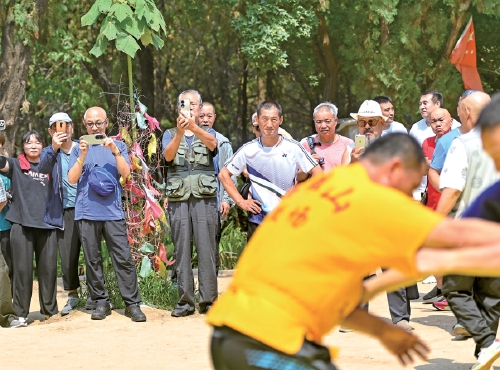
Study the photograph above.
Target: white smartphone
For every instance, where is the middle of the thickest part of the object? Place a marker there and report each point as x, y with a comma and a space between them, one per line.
93, 139
360, 141
186, 107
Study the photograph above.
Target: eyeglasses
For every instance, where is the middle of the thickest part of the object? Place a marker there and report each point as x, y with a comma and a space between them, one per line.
320, 121
371, 122
97, 124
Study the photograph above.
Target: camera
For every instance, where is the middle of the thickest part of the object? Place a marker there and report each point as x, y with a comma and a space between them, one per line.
2, 125
321, 161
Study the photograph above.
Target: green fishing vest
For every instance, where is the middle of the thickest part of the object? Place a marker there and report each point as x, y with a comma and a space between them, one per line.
192, 171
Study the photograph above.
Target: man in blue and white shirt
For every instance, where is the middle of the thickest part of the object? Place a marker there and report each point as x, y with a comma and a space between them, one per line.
273, 164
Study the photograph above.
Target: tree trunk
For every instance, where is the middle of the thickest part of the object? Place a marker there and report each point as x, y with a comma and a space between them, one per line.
244, 105
326, 59
147, 66
15, 60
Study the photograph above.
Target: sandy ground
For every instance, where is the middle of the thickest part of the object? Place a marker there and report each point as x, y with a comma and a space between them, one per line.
77, 342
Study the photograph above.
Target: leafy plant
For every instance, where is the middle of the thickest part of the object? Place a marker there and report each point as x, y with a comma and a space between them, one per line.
233, 242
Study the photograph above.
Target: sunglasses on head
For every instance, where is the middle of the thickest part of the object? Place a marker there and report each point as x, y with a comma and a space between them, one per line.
465, 94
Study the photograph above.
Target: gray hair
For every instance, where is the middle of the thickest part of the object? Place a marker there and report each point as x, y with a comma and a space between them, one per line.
254, 117
326, 106
185, 92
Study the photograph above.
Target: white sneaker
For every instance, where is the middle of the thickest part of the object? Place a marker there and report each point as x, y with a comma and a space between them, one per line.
19, 323
487, 356
430, 280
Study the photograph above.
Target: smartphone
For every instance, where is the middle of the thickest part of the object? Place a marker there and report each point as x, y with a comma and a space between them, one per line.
360, 141
2, 124
93, 139
61, 127
186, 107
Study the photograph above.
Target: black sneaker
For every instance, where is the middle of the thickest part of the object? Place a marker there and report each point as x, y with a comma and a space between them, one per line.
134, 312
433, 296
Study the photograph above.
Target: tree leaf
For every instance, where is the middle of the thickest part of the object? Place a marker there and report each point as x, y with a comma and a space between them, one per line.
140, 7
128, 45
146, 38
109, 30
147, 248
145, 268
99, 47
123, 11
131, 26
157, 41
104, 5
91, 16
162, 270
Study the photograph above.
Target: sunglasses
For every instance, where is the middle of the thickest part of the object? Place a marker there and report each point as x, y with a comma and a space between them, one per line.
371, 122
465, 94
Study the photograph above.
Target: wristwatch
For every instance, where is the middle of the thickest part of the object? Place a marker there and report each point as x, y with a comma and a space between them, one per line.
117, 153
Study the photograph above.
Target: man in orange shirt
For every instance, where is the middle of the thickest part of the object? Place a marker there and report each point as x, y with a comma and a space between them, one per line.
273, 315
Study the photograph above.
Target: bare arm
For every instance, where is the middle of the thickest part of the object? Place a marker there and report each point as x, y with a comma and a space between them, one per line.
397, 341
206, 138
433, 178
346, 158
447, 200
390, 280
121, 164
2, 204
303, 176
76, 171
246, 204
172, 147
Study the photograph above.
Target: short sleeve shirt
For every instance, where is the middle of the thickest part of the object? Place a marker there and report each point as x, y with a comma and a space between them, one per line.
302, 271
332, 153
4, 224
454, 173
272, 170
395, 127
89, 205
442, 147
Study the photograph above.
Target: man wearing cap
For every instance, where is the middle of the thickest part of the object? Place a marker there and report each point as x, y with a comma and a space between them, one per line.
370, 121
99, 215
60, 205
273, 163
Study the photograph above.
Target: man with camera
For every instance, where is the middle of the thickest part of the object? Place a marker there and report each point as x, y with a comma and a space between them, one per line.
326, 147
190, 150
99, 213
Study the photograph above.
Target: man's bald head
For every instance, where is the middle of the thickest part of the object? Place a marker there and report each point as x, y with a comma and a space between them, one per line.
471, 107
441, 121
95, 112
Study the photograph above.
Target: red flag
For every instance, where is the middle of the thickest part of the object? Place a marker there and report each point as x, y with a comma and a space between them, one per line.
464, 58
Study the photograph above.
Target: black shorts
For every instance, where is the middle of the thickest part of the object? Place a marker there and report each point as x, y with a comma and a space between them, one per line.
232, 350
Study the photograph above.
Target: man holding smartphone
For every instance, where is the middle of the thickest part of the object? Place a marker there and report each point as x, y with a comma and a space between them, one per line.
60, 206
189, 150
101, 216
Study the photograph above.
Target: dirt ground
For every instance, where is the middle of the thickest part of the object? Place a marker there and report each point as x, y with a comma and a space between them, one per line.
77, 342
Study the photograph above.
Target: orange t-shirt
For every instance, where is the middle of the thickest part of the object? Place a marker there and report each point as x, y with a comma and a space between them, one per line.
302, 272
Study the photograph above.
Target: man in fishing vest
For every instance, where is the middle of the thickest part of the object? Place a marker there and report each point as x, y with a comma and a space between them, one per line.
192, 203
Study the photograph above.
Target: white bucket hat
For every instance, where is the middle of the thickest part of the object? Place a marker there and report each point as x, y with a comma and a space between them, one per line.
369, 108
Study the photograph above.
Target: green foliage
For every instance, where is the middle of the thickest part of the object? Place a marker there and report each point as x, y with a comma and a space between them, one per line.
127, 22
158, 293
233, 242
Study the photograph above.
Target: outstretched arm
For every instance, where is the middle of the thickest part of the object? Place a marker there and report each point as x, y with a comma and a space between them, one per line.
399, 342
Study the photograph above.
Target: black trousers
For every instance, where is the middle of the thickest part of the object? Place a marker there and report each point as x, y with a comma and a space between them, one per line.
196, 218
7, 251
232, 350
69, 250
475, 301
115, 235
26, 241
252, 227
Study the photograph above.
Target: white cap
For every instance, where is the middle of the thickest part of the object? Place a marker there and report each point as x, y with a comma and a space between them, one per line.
59, 117
369, 108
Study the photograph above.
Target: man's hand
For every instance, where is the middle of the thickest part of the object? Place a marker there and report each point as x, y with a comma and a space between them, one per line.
84, 148
250, 205
57, 140
182, 123
402, 344
356, 154
110, 144
224, 208
316, 157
